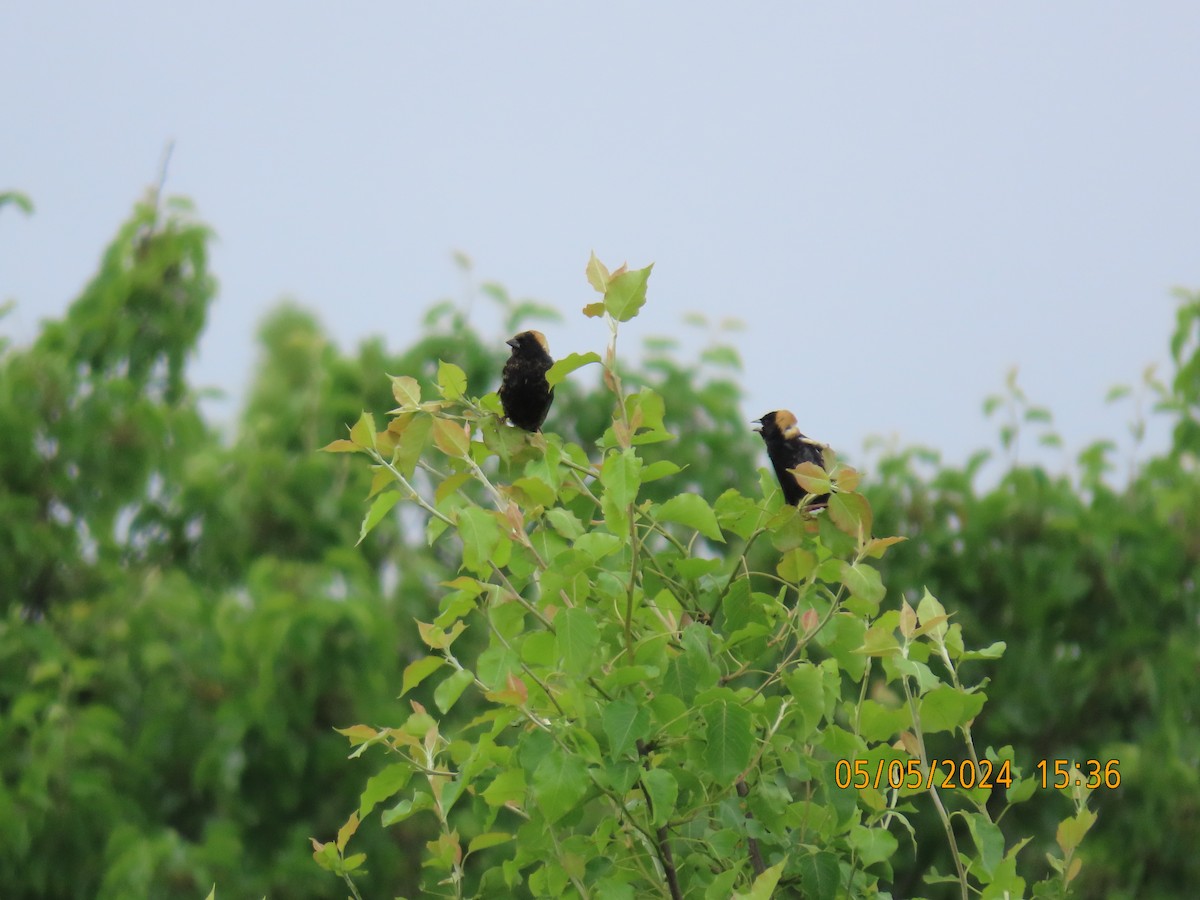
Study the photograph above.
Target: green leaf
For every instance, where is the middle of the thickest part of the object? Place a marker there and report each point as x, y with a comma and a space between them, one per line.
578, 637
991, 651
795, 565
446, 694
625, 722
416, 672
930, 609
722, 884
989, 840
507, 787
326, 855
873, 844
452, 381
722, 355
389, 782
696, 568
659, 469
729, 738
863, 581
489, 839
692, 511
664, 792
480, 533
882, 723
621, 476
380, 507
536, 490
626, 293
945, 708
764, 885
879, 641
737, 513
595, 545
23, 203
569, 364
565, 523
1117, 392
560, 781
806, 684
405, 808
820, 874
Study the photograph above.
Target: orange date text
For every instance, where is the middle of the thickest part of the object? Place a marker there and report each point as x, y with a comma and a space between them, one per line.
941, 773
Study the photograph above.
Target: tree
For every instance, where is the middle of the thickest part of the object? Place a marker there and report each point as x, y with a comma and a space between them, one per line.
647, 713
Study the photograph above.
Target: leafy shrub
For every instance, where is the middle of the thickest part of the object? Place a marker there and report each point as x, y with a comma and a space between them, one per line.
645, 711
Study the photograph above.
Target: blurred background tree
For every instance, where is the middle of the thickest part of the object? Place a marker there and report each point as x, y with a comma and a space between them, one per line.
186, 617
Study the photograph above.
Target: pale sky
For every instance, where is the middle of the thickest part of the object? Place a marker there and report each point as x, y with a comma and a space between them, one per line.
901, 201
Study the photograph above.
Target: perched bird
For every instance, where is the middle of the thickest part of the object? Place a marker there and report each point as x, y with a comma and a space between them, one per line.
787, 448
524, 392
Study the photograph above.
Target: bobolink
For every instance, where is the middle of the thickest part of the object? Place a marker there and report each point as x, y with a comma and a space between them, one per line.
524, 392
788, 447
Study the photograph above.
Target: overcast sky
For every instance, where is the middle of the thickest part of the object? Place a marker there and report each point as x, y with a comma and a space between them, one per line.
901, 201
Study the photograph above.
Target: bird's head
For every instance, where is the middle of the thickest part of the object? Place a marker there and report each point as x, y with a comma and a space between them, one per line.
780, 422
529, 341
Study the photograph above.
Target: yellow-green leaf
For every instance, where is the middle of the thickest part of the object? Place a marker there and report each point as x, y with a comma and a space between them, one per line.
412, 444
347, 831
438, 638
450, 437
851, 513
341, 446
380, 507
363, 432
876, 547
452, 381
416, 672
597, 274
406, 390
626, 293
569, 364
812, 478
1071, 831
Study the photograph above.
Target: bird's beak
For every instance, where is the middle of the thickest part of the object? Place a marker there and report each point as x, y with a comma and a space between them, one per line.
512, 342
757, 423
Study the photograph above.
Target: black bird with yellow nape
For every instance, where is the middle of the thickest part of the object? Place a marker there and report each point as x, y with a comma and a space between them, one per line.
524, 392
787, 447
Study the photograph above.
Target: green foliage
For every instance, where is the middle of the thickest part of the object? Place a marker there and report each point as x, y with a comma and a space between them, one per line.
1093, 592
184, 620
623, 704
181, 626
